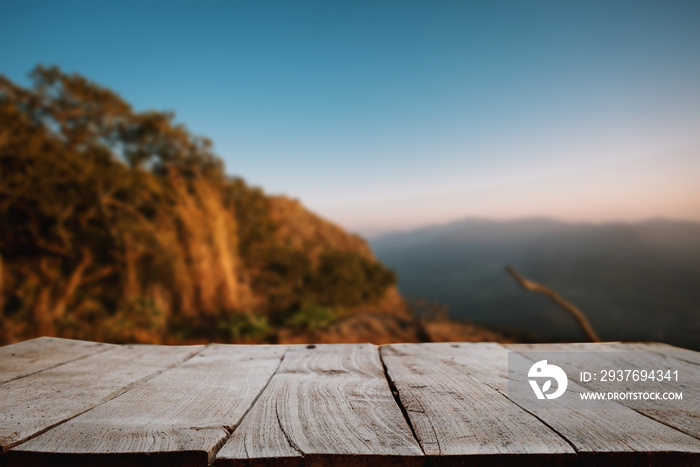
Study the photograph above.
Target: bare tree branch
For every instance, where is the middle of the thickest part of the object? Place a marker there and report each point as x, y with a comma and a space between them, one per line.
559, 300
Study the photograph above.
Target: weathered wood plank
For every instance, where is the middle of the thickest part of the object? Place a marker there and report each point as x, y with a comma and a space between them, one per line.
664, 349
610, 434
455, 414
326, 404
28, 357
35, 403
682, 415
141, 405
439, 386
177, 418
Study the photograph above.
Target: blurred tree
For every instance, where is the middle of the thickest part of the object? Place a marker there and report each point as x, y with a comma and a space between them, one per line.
84, 209
120, 225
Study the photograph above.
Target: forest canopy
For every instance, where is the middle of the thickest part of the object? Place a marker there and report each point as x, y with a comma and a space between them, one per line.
122, 226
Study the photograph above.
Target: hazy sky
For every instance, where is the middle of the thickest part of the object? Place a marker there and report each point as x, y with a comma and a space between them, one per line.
382, 115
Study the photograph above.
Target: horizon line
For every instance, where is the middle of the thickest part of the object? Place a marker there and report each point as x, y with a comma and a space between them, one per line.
646, 220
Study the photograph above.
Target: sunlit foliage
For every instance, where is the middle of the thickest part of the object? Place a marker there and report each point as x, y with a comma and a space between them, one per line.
120, 225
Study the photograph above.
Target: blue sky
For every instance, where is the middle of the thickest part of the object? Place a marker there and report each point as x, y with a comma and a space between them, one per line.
384, 115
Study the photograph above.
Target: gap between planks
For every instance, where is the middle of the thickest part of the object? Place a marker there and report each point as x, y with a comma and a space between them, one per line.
289, 439
9, 443
594, 447
34, 353
397, 398
187, 433
230, 431
387, 377
634, 356
306, 431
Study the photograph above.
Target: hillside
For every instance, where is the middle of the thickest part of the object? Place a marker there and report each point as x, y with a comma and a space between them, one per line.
124, 227
636, 281
120, 226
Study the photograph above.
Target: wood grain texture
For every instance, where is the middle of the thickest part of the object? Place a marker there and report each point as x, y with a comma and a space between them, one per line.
33, 404
180, 417
596, 435
664, 349
456, 414
332, 405
611, 434
682, 415
28, 357
327, 405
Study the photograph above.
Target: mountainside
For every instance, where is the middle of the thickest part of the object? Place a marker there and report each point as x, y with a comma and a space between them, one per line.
636, 281
121, 226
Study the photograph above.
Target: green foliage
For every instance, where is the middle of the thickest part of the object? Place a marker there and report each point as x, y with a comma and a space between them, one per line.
283, 277
138, 319
312, 317
241, 327
341, 279
348, 279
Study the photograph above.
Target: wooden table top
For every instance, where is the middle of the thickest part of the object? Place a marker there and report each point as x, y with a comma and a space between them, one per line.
67, 402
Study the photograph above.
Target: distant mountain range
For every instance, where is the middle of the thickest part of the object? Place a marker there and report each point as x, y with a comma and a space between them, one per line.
637, 281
